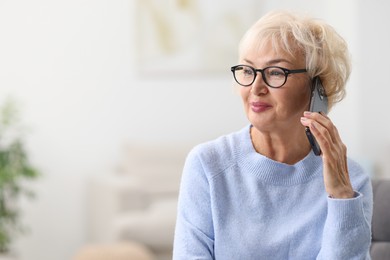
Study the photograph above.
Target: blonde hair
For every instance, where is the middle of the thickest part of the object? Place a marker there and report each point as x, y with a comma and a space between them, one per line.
325, 51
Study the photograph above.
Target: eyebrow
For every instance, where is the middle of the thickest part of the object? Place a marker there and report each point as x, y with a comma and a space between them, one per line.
271, 62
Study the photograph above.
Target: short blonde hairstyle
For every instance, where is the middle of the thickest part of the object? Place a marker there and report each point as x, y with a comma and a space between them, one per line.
325, 51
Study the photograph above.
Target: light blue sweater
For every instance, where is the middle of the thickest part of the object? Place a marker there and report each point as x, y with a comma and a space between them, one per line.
237, 204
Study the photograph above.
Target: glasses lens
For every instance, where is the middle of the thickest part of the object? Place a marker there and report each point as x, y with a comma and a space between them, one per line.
274, 76
244, 75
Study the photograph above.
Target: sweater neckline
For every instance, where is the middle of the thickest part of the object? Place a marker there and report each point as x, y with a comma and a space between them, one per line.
274, 172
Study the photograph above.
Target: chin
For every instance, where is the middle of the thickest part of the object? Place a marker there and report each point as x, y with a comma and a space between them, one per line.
260, 119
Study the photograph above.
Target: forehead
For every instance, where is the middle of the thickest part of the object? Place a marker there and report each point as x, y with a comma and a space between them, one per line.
268, 52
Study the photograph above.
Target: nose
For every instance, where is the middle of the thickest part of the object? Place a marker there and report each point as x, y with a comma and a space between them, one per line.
259, 87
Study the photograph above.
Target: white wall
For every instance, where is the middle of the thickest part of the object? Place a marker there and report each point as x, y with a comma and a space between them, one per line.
374, 40
71, 64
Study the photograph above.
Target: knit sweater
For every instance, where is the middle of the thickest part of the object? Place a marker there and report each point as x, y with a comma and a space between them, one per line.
235, 203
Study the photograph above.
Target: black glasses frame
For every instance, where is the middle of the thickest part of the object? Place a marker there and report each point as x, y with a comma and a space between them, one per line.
286, 73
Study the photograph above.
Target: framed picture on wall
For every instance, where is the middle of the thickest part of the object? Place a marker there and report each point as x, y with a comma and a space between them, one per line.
183, 37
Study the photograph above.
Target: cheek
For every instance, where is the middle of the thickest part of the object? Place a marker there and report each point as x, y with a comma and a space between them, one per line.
244, 93
300, 101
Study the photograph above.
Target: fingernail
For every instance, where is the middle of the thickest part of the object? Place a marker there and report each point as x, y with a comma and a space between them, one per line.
307, 113
303, 118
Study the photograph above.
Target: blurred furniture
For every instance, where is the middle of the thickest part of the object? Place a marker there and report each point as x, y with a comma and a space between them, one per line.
120, 251
380, 248
138, 202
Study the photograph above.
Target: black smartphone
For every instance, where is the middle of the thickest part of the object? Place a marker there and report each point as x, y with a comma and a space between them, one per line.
318, 103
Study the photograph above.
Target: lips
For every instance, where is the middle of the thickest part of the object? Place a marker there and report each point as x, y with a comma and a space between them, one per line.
259, 106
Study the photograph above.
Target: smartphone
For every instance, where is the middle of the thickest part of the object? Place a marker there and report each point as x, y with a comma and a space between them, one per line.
318, 103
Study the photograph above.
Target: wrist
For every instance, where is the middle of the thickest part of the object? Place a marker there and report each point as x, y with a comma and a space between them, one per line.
342, 194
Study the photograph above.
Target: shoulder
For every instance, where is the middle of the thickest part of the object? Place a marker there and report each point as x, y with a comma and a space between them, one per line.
217, 155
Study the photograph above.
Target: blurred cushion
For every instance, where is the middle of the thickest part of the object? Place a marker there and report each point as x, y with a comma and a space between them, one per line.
153, 227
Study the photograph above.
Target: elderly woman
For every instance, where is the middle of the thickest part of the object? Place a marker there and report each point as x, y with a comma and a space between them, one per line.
261, 193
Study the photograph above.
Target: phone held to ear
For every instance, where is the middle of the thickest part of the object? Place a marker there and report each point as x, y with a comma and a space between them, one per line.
318, 103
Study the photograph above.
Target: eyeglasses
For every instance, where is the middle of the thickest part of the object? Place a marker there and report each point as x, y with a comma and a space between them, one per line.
273, 76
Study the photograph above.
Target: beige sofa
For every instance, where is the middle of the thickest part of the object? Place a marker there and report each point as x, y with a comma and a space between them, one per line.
115, 251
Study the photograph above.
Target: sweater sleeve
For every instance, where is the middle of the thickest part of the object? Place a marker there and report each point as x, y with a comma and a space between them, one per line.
347, 230
194, 235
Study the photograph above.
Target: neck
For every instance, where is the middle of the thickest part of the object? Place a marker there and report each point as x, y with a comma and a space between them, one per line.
286, 148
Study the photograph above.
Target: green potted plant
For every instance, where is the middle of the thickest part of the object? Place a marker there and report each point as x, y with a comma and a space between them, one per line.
15, 171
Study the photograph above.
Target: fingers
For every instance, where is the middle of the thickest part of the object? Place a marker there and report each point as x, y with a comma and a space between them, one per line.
325, 133
322, 123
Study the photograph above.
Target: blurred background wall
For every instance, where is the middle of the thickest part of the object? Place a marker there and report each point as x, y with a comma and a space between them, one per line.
73, 67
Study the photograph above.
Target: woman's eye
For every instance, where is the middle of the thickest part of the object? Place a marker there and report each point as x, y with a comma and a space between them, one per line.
276, 73
248, 72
